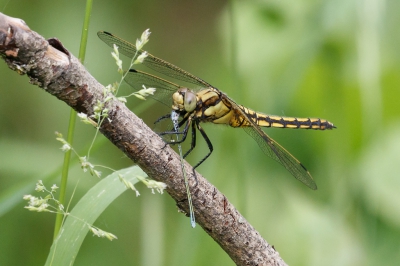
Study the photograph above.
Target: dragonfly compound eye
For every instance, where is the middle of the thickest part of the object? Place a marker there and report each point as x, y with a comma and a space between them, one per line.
190, 101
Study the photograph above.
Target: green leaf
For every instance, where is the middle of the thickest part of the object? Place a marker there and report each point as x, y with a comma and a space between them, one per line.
66, 247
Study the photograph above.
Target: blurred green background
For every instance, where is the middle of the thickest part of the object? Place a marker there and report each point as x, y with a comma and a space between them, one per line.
337, 60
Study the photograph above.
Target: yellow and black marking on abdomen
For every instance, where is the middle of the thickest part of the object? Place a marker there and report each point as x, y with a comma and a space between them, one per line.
264, 120
217, 108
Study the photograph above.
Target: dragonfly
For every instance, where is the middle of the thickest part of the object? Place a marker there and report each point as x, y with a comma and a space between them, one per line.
204, 103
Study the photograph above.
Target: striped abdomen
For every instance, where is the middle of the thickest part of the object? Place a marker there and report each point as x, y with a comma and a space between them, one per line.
214, 106
264, 120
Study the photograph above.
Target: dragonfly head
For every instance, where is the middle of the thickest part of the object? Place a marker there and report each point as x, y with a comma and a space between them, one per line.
184, 100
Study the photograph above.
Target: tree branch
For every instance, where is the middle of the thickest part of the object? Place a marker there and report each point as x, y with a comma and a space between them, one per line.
51, 67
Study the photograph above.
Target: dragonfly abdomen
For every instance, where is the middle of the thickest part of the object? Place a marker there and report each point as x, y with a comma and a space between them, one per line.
264, 120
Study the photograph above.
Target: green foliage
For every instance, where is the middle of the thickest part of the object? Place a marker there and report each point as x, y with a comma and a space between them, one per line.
336, 60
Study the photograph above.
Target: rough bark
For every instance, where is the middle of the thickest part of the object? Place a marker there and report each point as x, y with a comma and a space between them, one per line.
50, 66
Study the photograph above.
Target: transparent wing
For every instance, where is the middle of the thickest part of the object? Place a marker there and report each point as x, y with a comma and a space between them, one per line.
272, 149
279, 154
151, 61
164, 88
163, 94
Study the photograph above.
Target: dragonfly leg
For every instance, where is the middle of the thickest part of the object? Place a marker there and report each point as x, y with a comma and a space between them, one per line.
172, 132
193, 143
210, 146
162, 118
184, 133
195, 178
169, 117
183, 121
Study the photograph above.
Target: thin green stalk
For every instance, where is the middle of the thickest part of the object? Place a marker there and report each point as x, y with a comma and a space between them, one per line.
72, 120
189, 195
242, 182
174, 118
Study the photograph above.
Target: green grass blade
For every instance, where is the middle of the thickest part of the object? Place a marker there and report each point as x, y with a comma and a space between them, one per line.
66, 246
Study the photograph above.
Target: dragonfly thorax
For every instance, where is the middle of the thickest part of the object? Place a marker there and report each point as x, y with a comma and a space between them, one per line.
184, 100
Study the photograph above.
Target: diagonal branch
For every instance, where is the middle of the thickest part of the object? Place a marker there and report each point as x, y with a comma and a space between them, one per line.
51, 67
